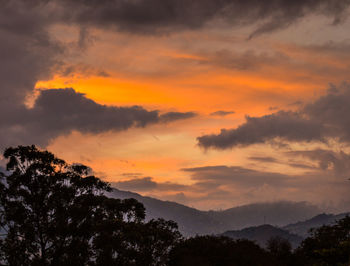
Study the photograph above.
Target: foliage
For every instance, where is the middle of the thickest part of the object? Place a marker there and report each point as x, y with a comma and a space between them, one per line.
54, 213
281, 250
328, 245
219, 251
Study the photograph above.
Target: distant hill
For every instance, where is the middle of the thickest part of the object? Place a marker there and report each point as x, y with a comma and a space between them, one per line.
261, 234
275, 213
302, 228
192, 221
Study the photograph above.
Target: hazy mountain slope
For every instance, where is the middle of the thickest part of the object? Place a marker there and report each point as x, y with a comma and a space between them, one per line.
302, 228
192, 221
261, 234
276, 213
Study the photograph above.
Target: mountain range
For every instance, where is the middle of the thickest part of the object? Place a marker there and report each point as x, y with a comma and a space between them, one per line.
262, 233
302, 228
196, 222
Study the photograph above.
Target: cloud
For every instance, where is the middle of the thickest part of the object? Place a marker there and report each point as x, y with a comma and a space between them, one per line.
238, 184
27, 53
291, 163
284, 125
61, 111
222, 113
222, 185
164, 16
247, 60
263, 159
141, 184
167, 16
326, 118
337, 162
173, 116
301, 165
236, 175
147, 184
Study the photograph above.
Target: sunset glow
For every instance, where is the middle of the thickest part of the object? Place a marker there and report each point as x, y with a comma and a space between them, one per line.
246, 107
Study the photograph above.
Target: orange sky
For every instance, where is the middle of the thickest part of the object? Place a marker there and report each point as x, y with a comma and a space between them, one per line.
201, 71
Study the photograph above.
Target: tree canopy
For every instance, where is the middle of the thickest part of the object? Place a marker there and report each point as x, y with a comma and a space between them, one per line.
55, 213
328, 245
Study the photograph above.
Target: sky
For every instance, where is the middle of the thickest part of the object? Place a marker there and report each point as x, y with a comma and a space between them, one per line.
212, 104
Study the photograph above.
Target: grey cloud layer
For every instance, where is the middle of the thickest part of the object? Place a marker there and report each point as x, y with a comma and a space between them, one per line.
337, 162
236, 175
238, 185
159, 16
327, 117
253, 185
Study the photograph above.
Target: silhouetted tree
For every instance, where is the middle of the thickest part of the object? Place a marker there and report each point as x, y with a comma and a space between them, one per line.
219, 251
327, 245
281, 249
54, 213
146, 244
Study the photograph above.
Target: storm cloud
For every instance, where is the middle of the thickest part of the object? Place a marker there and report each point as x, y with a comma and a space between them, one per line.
324, 119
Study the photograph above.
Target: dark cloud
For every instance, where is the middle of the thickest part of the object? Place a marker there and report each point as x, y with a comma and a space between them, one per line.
222, 113
248, 60
221, 183
61, 111
291, 163
163, 16
172, 116
327, 117
140, 184
248, 185
337, 162
263, 159
79, 70
285, 125
333, 110
166, 16
236, 175
147, 184
27, 53
302, 166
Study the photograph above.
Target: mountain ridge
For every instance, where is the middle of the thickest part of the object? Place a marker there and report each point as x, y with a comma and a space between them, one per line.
196, 222
262, 233
302, 228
